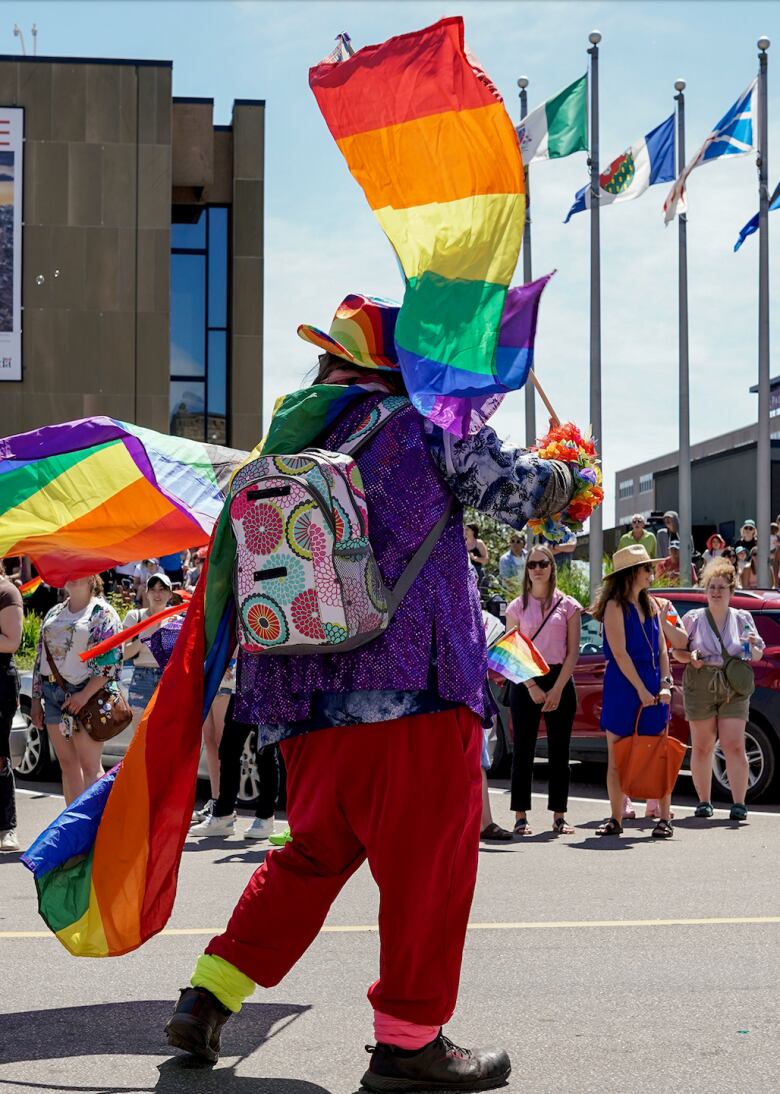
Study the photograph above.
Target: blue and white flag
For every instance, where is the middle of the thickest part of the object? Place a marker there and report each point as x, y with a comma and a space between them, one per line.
645, 163
752, 224
734, 135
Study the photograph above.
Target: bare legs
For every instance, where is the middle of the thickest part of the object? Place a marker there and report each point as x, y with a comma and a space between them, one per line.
704, 735
212, 735
79, 759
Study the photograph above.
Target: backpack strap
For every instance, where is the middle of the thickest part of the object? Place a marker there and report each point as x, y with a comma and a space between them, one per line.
388, 408
395, 595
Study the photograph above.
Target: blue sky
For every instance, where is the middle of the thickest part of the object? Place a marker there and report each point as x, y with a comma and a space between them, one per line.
322, 241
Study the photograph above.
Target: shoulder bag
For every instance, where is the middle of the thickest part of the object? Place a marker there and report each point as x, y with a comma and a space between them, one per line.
738, 673
103, 716
649, 765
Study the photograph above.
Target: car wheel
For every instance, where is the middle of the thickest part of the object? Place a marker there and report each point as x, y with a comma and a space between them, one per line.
249, 783
760, 749
36, 761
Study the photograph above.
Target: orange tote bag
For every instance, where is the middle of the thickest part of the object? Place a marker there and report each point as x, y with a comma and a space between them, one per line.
649, 766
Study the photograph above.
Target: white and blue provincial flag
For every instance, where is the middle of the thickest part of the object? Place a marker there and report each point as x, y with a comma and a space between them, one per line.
645, 163
734, 135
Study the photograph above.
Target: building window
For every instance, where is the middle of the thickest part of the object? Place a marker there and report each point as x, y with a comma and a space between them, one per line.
645, 484
626, 488
199, 327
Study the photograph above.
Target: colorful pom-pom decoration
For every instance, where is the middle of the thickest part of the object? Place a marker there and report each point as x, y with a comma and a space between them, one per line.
567, 444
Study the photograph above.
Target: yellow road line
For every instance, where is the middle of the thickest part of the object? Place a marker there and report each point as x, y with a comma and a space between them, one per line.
542, 925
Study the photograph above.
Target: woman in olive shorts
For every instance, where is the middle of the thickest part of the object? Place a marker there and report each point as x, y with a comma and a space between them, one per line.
714, 710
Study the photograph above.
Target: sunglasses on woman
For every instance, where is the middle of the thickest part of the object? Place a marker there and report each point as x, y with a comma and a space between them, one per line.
542, 563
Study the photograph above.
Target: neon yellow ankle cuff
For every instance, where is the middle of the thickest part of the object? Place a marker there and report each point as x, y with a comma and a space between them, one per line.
222, 979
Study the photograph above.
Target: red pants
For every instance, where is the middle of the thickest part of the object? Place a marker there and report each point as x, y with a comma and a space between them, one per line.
407, 796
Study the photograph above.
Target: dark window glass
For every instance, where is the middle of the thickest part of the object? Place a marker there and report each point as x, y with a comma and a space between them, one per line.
188, 409
217, 378
768, 626
591, 638
188, 307
190, 235
218, 250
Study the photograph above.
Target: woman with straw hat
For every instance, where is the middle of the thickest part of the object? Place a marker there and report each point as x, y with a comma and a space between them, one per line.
637, 677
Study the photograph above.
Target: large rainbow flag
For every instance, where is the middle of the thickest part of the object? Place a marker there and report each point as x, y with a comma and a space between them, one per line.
427, 137
106, 869
80, 497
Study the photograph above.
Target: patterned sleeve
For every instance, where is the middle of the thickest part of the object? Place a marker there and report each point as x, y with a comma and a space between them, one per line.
103, 623
507, 483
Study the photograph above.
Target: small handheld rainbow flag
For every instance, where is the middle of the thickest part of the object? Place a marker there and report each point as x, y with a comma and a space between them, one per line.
517, 658
31, 586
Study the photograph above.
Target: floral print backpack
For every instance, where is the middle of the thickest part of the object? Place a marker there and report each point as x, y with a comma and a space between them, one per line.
306, 579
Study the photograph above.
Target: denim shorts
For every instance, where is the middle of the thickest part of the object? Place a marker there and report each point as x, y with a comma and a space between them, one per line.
53, 698
144, 680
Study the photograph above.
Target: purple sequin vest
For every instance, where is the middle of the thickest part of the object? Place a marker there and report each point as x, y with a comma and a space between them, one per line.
441, 612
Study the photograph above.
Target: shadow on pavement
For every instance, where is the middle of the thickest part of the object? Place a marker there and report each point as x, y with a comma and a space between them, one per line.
136, 1029
176, 1076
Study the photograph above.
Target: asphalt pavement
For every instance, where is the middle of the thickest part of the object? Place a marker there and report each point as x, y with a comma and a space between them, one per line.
605, 966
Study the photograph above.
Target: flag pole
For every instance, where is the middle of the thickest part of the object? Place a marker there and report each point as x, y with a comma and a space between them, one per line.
596, 537
684, 454
530, 404
763, 447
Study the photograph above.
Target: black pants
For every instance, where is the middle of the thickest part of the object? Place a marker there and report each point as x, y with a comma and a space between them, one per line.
9, 695
526, 716
230, 748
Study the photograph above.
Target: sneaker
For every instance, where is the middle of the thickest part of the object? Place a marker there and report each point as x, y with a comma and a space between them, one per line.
197, 1023
629, 813
8, 841
215, 826
278, 839
200, 815
738, 812
260, 828
441, 1065
703, 809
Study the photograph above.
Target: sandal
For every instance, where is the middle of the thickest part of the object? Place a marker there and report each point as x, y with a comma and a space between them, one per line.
663, 830
610, 827
561, 828
522, 827
495, 833
703, 809
738, 812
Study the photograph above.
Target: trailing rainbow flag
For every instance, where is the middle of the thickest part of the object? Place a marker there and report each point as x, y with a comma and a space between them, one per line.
427, 137
106, 869
517, 658
80, 497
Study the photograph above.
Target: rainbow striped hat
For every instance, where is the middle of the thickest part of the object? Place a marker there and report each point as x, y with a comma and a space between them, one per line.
363, 331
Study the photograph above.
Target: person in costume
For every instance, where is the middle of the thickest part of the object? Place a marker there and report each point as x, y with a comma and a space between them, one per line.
370, 733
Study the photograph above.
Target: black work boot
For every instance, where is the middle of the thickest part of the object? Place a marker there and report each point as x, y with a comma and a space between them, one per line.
440, 1065
196, 1023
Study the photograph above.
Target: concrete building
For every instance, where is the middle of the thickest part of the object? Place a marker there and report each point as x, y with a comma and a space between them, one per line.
142, 287
723, 483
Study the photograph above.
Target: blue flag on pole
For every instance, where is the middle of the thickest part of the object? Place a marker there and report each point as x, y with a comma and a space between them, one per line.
645, 163
752, 224
734, 135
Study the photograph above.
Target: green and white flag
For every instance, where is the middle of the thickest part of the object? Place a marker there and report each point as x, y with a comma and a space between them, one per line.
558, 127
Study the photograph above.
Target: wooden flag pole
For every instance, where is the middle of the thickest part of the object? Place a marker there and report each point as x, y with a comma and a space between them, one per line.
543, 397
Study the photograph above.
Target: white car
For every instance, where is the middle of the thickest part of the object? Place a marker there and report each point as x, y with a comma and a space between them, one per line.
33, 757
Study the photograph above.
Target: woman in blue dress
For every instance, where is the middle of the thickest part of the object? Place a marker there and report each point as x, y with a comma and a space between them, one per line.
637, 675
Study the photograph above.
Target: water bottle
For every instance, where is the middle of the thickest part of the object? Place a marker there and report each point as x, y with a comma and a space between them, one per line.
746, 651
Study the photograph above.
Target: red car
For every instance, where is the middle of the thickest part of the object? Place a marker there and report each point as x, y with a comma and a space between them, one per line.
763, 728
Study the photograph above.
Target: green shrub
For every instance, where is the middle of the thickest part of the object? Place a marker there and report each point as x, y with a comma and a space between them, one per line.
28, 647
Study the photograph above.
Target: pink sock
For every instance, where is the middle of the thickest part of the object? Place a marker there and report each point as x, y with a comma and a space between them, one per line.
396, 1031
